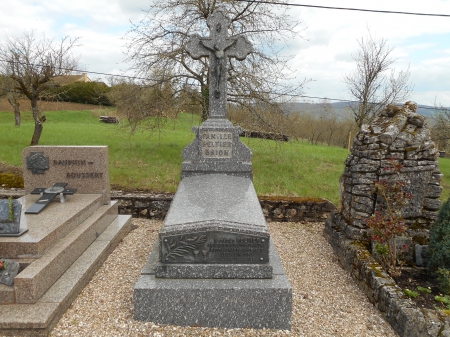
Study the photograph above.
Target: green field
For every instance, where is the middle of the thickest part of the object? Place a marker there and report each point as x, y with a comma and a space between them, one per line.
152, 161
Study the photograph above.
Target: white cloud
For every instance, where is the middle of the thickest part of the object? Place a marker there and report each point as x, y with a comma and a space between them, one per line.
324, 55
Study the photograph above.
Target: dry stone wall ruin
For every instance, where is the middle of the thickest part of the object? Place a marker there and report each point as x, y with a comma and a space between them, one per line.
400, 136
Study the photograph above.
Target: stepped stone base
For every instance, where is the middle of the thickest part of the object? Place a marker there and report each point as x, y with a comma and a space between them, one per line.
223, 303
59, 261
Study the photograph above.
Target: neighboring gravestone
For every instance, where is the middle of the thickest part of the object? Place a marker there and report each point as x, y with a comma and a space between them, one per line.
65, 244
215, 264
401, 136
84, 168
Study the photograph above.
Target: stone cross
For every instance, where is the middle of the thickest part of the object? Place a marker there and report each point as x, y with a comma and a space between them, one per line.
218, 47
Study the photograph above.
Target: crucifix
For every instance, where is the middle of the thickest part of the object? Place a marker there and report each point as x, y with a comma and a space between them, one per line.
218, 47
47, 195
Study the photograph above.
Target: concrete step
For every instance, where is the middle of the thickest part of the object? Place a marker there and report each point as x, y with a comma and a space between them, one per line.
7, 294
39, 276
39, 318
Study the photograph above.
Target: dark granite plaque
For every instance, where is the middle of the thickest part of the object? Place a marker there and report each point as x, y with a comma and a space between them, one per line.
214, 247
7, 225
7, 275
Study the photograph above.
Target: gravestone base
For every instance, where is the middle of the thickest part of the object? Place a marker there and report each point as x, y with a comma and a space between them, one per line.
21, 232
60, 252
208, 302
214, 264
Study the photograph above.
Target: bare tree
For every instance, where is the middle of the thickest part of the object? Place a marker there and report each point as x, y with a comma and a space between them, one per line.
144, 107
32, 64
440, 131
12, 95
374, 83
159, 41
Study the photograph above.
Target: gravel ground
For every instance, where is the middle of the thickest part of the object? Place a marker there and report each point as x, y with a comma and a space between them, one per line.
326, 302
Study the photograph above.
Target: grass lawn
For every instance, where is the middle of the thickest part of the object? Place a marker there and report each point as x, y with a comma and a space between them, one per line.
152, 161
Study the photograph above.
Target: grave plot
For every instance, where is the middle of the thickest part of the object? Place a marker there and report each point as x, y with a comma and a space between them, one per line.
214, 264
62, 237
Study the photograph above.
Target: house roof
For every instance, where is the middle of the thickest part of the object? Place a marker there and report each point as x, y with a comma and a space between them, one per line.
68, 79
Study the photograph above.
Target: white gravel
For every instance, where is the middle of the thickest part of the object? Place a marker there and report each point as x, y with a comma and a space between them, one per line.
326, 302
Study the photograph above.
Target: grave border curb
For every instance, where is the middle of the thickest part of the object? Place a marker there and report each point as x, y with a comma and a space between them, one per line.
399, 311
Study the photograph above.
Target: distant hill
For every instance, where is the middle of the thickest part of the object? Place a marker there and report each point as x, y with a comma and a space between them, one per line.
342, 109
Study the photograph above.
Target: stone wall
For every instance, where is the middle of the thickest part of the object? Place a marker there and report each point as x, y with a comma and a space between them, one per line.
397, 136
284, 209
156, 206
381, 290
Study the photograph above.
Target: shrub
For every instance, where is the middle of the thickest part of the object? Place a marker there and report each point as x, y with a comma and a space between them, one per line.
387, 223
443, 277
439, 247
81, 92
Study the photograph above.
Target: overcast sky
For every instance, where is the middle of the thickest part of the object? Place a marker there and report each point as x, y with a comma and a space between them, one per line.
324, 55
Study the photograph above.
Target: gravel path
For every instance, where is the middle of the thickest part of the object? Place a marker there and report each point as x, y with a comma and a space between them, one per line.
326, 301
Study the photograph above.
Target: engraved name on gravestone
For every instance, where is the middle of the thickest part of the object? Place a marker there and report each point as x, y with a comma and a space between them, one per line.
217, 144
215, 247
84, 168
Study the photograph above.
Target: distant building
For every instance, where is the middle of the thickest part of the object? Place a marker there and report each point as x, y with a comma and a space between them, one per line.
69, 79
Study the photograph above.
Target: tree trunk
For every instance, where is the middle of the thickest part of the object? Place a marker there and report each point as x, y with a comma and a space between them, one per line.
17, 115
16, 105
38, 120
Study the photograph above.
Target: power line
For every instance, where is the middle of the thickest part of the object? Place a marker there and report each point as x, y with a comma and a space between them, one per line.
80, 71
343, 8
157, 80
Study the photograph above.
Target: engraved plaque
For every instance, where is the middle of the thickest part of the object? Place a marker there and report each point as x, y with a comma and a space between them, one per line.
37, 162
214, 247
216, 144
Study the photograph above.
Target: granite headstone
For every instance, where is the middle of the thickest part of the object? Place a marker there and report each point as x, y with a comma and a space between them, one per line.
85, 168
214, 263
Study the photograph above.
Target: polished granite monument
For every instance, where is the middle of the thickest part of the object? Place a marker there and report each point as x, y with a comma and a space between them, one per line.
55, 250
214, 263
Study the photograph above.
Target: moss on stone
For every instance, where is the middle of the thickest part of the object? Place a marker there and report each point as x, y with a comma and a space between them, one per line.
292, 199
10, 180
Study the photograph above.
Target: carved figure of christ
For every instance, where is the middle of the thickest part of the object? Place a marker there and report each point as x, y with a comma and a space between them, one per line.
218, 47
